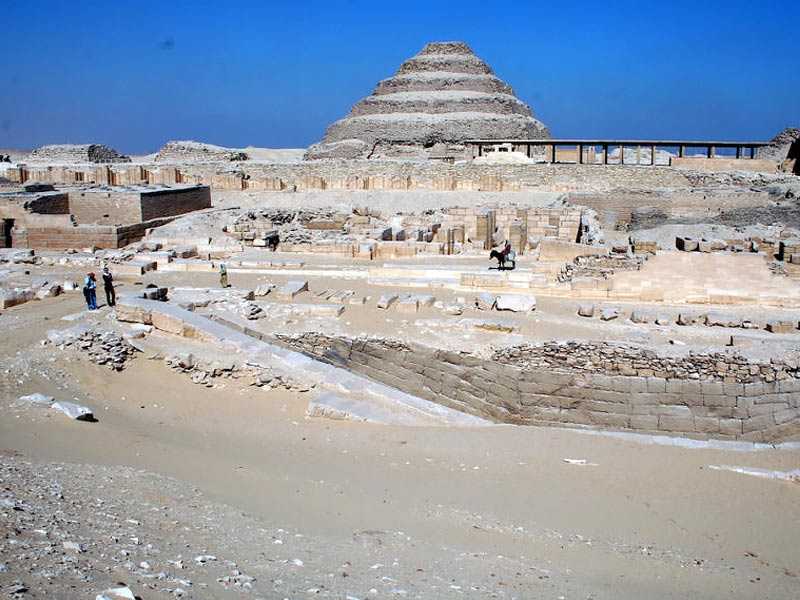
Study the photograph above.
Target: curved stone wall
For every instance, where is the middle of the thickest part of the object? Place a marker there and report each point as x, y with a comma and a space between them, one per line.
594, 385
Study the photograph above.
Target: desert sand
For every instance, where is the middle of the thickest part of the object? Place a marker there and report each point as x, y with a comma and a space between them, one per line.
341, 509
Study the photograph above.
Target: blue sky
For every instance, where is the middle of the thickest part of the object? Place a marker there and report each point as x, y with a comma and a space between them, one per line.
134, 75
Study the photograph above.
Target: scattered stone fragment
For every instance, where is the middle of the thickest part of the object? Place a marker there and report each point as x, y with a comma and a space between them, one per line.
586, 309
387, 300
74, 411
485, 301
38, 398
73, 547
663, 319
117, 593
686, 244
155, 293
516, 302
607, 314
686, 319
263, 289
292, 289
252, 311
714, 319
453, 308
638, 316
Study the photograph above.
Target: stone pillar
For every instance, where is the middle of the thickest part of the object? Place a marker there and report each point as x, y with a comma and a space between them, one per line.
518, 236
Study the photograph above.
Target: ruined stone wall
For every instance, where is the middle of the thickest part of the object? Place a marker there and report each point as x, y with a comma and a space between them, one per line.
397, 175
74, 154
63, 236
172, 202
616, 208
595, 385
105, 207
25, 206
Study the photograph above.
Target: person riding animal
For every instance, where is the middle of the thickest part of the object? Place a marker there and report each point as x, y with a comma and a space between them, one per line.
503, 256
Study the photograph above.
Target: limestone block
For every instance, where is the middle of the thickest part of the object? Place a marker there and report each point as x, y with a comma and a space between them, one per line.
780, 326
263, 289
638, 316
730, 427
656, 385
292, 289
387, 300
453, 308
357, 300
607, 314
706, 425
515, 302
758, 423
9, 298
408, 305
485, 301
663, 319
155, 293
133, 314
645, 422
676, 424
49, 291
715, 319
711, 245
686, 244
321, 310
340, 296
686, 319
586, 309
165, 322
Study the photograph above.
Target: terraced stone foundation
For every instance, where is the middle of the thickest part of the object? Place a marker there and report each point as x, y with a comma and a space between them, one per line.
585, 384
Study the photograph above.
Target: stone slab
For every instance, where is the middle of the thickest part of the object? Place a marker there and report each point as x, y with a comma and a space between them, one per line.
292, 289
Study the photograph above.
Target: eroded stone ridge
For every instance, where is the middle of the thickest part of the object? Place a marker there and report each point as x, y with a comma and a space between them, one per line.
442, 96
56, 154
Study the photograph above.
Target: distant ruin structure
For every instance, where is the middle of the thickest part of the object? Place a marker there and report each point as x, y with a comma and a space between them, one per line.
71, 154
436, 101
105, 217
183, 152
785, 147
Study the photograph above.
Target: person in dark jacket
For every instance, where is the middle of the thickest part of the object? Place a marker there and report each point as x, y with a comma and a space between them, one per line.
108, 286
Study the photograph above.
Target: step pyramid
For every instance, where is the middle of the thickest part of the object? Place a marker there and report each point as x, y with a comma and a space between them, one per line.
437, 99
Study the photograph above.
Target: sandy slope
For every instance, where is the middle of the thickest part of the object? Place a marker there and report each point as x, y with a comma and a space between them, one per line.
483, 513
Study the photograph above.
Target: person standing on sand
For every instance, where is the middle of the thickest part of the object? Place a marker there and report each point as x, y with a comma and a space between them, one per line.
108, 286
223, 275
90, 291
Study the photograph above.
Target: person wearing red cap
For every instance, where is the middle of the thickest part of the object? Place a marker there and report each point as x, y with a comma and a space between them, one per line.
90, 291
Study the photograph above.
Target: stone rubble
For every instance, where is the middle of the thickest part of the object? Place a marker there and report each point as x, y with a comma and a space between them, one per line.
618, 359
101, 347
212, 373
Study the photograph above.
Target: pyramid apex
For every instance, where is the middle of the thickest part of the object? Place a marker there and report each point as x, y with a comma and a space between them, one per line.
447, 48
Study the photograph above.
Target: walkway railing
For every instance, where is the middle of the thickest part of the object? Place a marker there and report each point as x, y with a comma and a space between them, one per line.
586, 151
